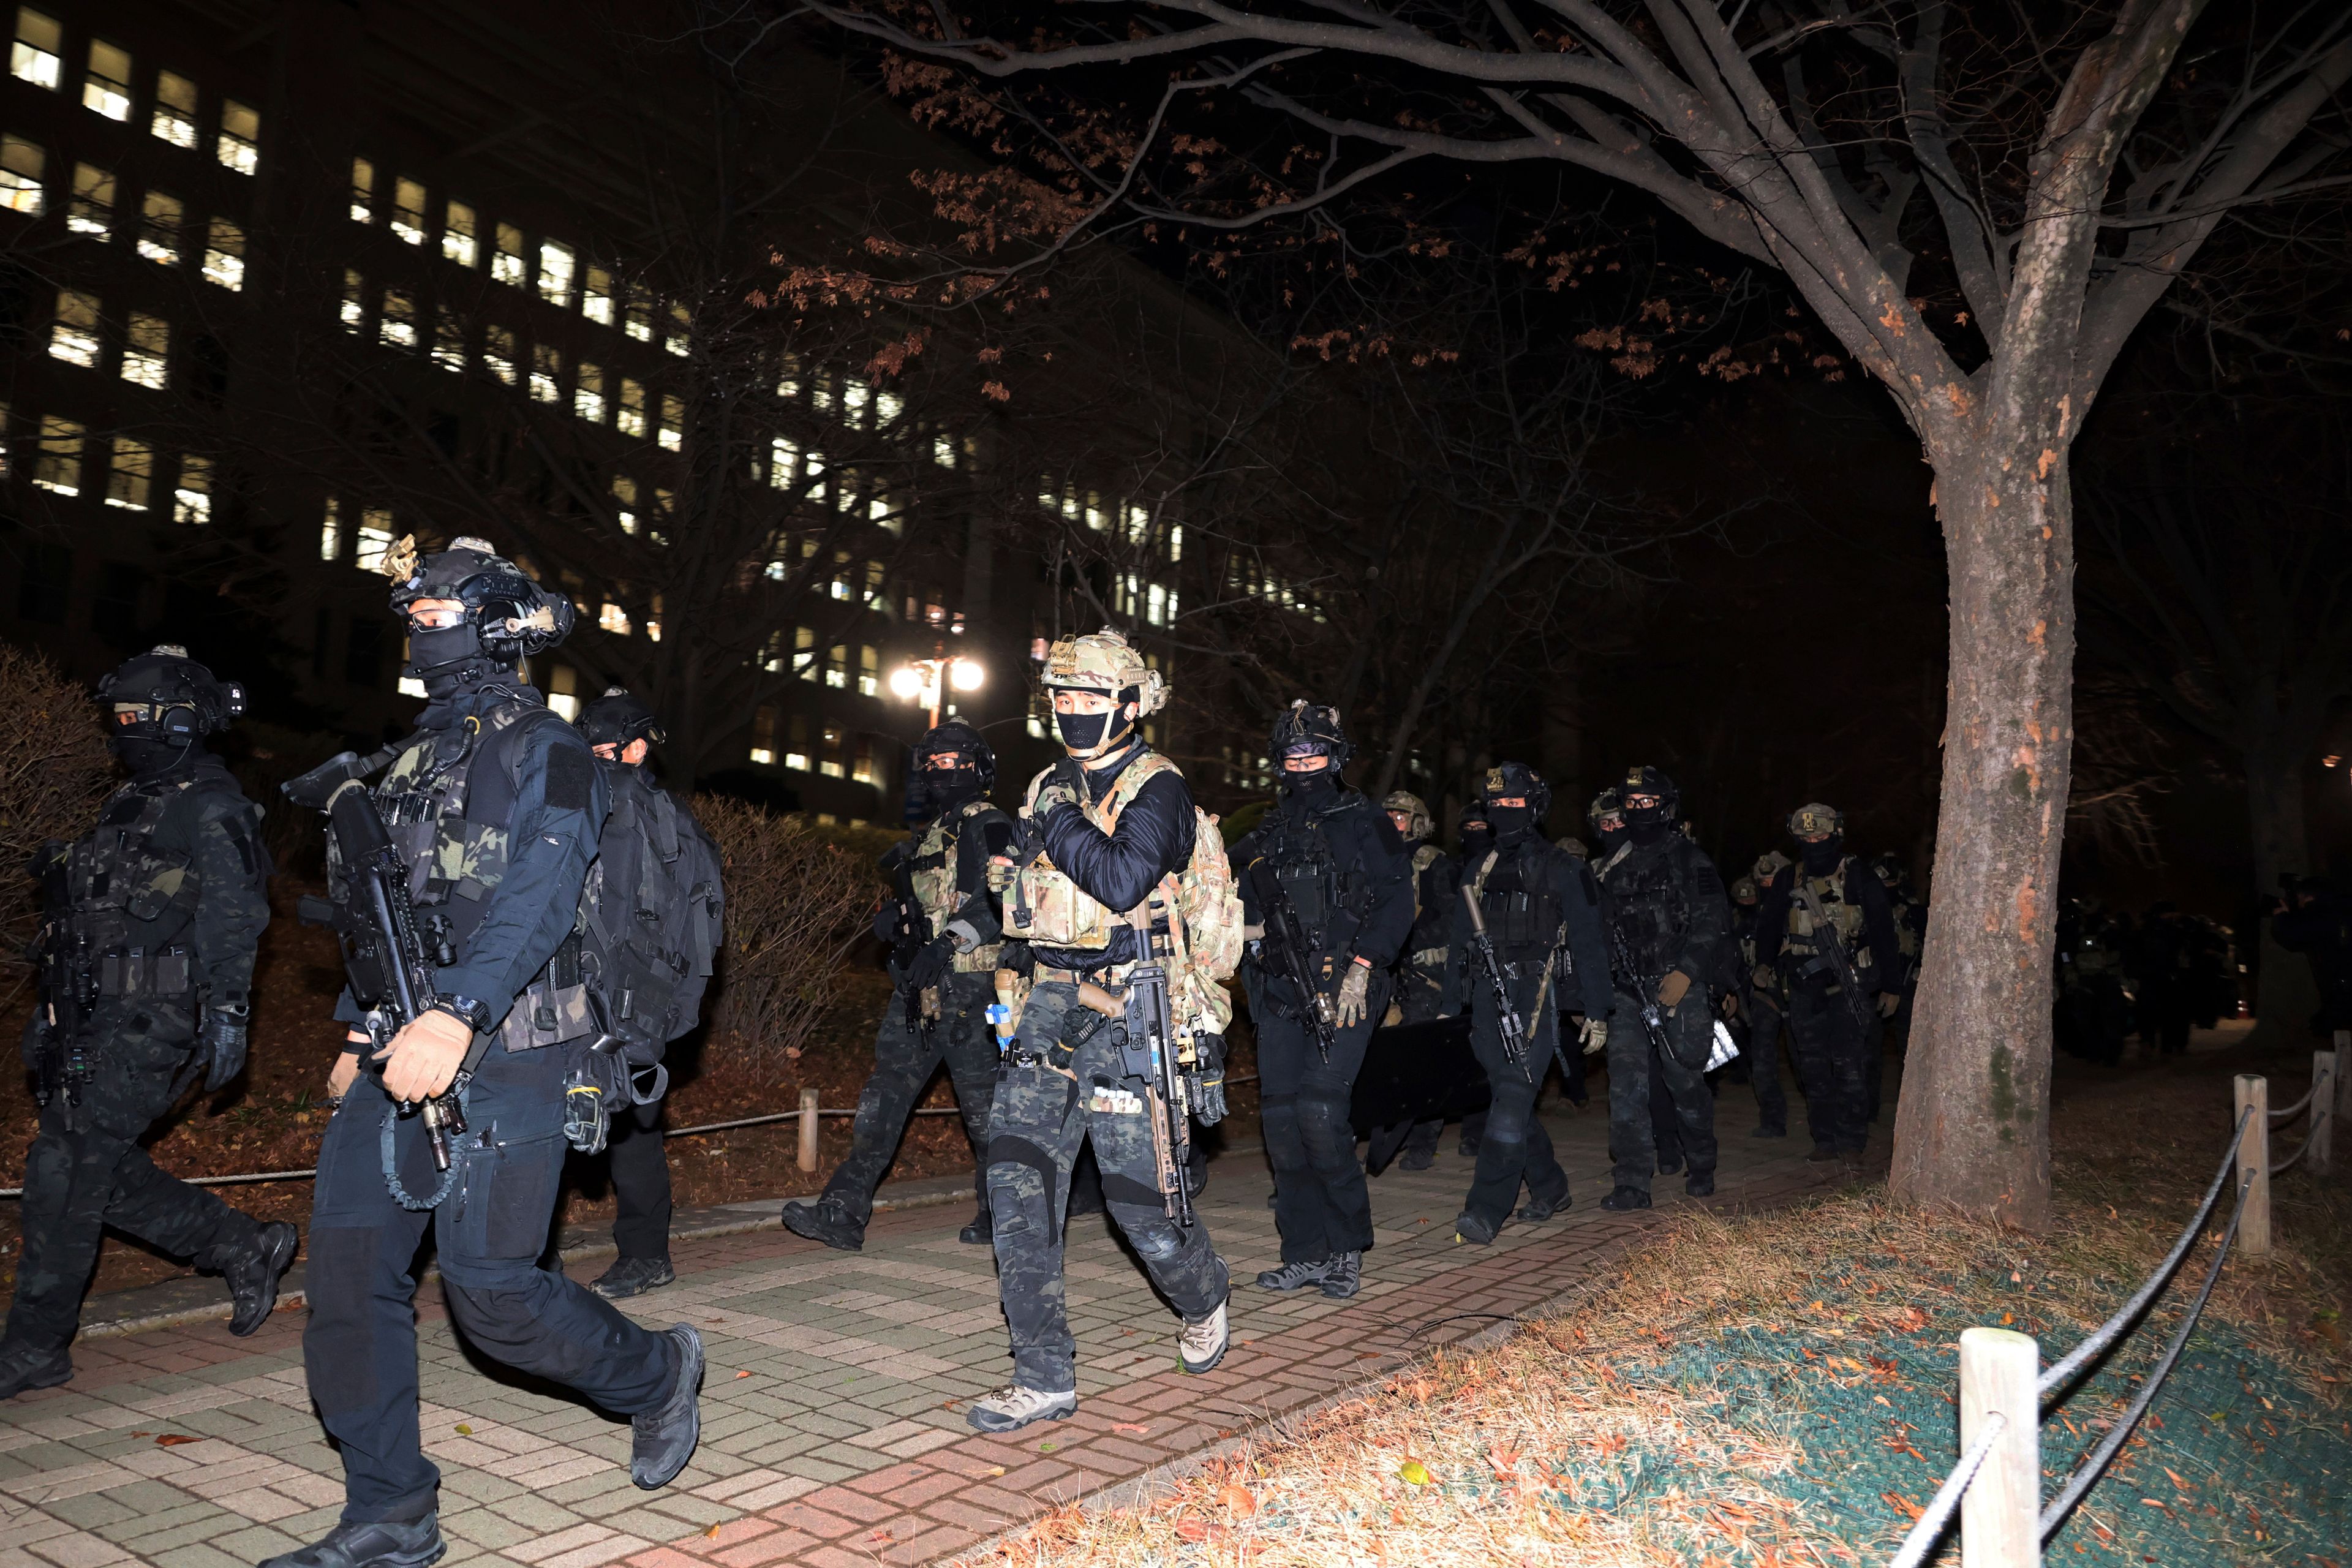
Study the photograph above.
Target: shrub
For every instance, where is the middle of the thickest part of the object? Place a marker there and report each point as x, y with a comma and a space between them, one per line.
795, 905
53, 777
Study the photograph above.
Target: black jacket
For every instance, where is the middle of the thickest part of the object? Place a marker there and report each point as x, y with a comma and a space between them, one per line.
1373, 871
1534, 863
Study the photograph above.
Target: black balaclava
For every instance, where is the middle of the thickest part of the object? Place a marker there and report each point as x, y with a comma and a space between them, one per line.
507, 617
153, 758
1511, 823
1477, 833
1820, 860
1311, 790
183, 702
1611, 838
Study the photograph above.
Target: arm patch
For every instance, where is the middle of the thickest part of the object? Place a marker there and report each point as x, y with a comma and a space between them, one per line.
569, 773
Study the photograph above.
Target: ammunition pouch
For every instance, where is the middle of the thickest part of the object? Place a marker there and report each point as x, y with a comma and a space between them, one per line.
163, 974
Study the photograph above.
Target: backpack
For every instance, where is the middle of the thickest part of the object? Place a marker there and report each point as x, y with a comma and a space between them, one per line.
651, 912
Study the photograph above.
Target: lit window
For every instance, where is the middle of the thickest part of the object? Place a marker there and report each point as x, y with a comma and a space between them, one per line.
330, 532
146, 350
671, 435
632, 416
408, 210
1156, 607
22, 163
869, 674
878, 512
507, 265
888, 406
546, 373
449, 340
457, 233
130, 474
555, 272
788, 377
225, 255
58, 468
861, 767
192, 498
796, 756
92, 212
681, 330
829, 764
637, 318
564, 692
74, 338
396, 326
763, 736
107, 88
375, 539
596, 297
625, 497
805, 653
783, 463
499, 352
33, 57
354, 308
653, 622
1175, 541
853, 396
613, 619
239, 147
588, 395
1139, 525
821, 391
175, 109
362, 191
159, 228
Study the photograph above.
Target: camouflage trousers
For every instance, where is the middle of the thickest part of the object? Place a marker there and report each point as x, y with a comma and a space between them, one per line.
1050, 1100
85, 1171
1681, 1067
905, 1057
1833, 1055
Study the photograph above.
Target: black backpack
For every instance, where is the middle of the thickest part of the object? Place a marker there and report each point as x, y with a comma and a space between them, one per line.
652, 904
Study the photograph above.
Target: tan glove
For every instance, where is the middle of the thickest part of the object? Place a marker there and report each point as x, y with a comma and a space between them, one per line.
1673, 989
1889, 1003
1000, 874
1593, 1036
1353, 998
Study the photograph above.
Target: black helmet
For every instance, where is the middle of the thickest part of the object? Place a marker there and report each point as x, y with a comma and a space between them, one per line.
1608, 802
509, 615
960, 739
1506, 779
164, 695
1650, 780
1303, 728
617, 718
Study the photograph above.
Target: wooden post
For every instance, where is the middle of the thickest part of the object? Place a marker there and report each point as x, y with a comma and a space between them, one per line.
2325, 1099
808, 1130
2001, 1514
2253, 1103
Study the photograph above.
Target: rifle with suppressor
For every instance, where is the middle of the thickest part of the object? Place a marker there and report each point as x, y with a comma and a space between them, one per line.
68, 982
1832, 948
1507, 1025
1286, 931
387, 957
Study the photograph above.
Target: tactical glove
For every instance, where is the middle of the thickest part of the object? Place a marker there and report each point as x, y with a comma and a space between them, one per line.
1001, 873
1065, 788
1209, 1079
930, 961
1673, 989
1594, 1035
892, 921
1353, 997
221, 1038
1889, 1003
963, 934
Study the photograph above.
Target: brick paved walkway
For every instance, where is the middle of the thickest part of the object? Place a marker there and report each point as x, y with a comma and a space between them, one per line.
832, 1425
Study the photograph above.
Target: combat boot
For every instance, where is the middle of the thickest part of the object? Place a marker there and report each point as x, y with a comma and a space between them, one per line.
1201, 1345
25, 1367
1469, 1228
375, 1543
1700, 1183
1010, 1408
632, 1276
1345, 1276
253, 1271
1294, 1276
1625, 1198
981, 1232
827, 1220
662, 1439
1535, 1211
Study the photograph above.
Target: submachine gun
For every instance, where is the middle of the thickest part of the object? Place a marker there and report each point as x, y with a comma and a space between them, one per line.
68, 982
388, 957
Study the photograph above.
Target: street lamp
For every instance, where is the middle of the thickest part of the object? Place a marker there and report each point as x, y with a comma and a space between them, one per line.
926, 681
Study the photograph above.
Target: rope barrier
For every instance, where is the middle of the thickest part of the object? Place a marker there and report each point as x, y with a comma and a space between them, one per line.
2281, 1118
2114, 1329
2284, 1166
1929, 1526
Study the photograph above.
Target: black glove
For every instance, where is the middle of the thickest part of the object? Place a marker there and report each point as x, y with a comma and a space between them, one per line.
923, 970
895, 920
221, 1038
1209, 1079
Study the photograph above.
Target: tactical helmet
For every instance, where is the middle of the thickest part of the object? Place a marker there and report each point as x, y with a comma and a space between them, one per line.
1606, 804
1104, 662
164, 695
617, 718
1305, 730
511, 616
1807, 821
1646, 780
1889, 869
1743, 890
1504, 780
1574, 845
955, 736
1770, 864
1422, 824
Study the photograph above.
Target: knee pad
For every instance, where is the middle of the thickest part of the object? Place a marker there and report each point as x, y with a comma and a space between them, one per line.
1326, 1123
1154, 1239
1008, 1156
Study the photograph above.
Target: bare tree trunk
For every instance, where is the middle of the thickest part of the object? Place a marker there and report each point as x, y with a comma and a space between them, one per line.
2285, 994
1973, 1131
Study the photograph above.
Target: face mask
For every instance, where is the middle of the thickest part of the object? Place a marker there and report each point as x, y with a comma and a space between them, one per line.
143, 757
1477, 839
443, 647
1082, 731
1310, 785
947, 787
1611, 837
1648, 831
1510, 821
1821, 859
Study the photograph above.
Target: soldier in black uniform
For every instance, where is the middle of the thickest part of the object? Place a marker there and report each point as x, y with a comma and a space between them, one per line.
493, 807
1759, 1003
1542, 915
1828, 1004
146, 954
1475, 836
1325, 867
655, 904
944, 934
1669, 920
1420, 977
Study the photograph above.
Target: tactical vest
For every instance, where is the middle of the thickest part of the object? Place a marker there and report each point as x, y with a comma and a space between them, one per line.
1802, 947
133, 900
1648, 901
1523, 922
932, 870
651, 905
447, 813
1298, 857
1204, 911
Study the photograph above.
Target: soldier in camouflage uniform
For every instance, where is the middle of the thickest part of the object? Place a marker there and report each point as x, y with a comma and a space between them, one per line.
944, 934
1109, 836
146, 951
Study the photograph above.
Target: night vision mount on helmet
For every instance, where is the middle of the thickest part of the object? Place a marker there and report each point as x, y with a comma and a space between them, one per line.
1507, 779
1103, 662
509, 616
1304, 729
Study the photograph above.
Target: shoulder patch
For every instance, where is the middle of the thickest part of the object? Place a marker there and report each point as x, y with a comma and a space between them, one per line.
569, 772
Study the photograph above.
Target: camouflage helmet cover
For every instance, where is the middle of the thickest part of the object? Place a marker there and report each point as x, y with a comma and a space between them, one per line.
1607, 803
1422, 824
1815, 819
1770, 864
1743, 890
1574, 845
1105, 661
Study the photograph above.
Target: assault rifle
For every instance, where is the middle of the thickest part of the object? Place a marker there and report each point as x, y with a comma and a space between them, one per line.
1507, 1025
1644, 989
68, 982
909, 934
386, 955
1286, 931
1833, 948
1149, 1051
